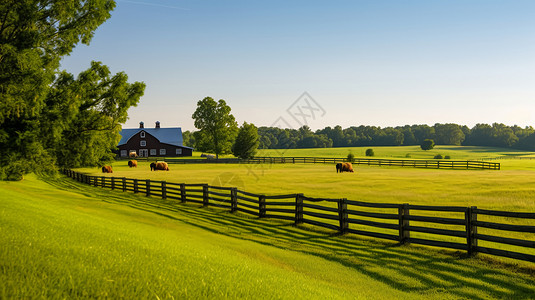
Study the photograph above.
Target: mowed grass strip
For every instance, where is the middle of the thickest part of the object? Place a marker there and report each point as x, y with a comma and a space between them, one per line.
61, 239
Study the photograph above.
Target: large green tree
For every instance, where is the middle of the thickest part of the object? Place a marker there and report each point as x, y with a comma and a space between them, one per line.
84, 115
246, 142
217, 126
34, 36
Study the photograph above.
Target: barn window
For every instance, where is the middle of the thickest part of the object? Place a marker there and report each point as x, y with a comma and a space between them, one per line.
143, 143
178, 151
162, 151
142, 134
152, 151
123, 153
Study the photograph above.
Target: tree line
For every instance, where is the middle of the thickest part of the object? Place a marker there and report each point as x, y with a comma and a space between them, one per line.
495, 135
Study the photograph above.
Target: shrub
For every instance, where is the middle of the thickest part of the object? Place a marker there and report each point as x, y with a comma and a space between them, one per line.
447, 157
351, 157
427, 144
369, 152
438, 156
408, 155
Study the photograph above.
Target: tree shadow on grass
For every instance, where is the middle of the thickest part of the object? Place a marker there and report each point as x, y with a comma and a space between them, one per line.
406, 268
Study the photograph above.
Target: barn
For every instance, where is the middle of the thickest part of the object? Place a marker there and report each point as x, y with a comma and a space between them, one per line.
157, 141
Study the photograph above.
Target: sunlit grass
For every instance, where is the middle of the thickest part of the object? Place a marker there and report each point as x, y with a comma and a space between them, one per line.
62, 239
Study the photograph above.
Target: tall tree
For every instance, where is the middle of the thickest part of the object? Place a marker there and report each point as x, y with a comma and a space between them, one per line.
246, 142
85, 114
34, 36
217, 126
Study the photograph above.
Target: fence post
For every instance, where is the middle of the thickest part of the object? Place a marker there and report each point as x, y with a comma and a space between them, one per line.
205, 195
136, 187
298, 208
113, 183
103, 180
342, 215
183, 192
95, 180
262, 206
164, 190
470, 218
404, 233
147, 185
233, 199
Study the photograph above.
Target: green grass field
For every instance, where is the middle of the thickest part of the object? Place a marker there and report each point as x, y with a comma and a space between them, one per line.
508, 189
62, 239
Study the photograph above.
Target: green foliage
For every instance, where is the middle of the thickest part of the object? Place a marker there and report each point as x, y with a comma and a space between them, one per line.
438, 156
34, 36
447, 157
188, 139
217, 126
246, 142
448, 134
497, 135
351, 157
427, 144
369, 152
85, 115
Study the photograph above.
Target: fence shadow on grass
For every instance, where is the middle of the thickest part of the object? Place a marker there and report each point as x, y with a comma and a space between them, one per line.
404, 268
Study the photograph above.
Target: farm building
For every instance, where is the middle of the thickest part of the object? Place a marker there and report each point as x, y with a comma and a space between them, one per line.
157, 141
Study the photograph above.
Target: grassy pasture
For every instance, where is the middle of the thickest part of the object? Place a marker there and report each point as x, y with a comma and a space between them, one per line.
62, 239
510, 189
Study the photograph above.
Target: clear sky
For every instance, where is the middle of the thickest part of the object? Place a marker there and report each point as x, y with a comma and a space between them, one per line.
375, 62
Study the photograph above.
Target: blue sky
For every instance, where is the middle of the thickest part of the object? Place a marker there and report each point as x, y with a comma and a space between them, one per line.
382, 63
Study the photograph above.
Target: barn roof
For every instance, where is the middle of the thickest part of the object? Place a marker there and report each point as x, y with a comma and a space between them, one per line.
171, 135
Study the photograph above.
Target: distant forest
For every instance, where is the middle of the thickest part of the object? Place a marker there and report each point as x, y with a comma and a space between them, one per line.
495, 135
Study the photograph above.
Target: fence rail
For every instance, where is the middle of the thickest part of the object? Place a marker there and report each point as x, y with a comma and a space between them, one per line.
440, 226
430, 164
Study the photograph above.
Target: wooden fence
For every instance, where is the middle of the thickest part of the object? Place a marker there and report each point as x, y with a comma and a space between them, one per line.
431, 164
462, 228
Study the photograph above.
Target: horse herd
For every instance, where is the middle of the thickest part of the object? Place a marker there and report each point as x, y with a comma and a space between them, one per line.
340, 167
133, 164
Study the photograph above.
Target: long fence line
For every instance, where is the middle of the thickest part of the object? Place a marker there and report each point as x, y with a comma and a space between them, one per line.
508, 157
432, 164
460, 228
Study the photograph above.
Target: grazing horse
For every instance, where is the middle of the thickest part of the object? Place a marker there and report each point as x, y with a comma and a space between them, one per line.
107, 169
132, 163
159, 166
344, 167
